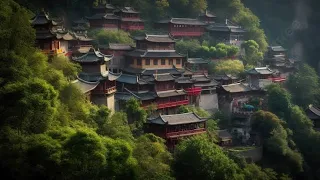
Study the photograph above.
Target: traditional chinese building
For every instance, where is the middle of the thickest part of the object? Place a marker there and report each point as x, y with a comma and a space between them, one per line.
174, 127
255, 75
207, 17
129, 19
118, 51
197, 65
80, 26
95, 80
276, 57
227, 33
104, 17
225, 138
313, 113
182, 27
51, 37
225, 79
152, 71
206, 83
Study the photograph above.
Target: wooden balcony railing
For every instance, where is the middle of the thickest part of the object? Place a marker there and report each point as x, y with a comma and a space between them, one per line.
173, 104
185, 133
195, 91
277, 79
132, 27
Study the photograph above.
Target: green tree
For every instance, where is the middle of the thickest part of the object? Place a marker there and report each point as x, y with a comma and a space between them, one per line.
190, 47
70, 70
304, 86
104, 37
153, 158
277, 143
116, 127
28, 106
136, 115
278, 100
198, 158
252, 171
252, 53
229, 67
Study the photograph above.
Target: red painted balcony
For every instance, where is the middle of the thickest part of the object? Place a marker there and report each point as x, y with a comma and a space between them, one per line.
185, 133
173, 104
131, 27
277, 79
195, 91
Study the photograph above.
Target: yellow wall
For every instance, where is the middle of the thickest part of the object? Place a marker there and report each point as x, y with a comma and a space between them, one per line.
111, 103
167, 65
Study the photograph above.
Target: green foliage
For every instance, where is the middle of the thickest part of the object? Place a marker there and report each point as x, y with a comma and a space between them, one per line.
116, 127
32, 105
276, 141
238, 13
194, 49
252, 171
198, 158
278, 100
190, 47
234, 67
104, 37
304, 86
153, 158
136, 115
199, 111
253, 55
69, 69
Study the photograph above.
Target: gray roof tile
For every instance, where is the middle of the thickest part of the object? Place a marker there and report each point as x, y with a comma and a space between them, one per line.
176, 119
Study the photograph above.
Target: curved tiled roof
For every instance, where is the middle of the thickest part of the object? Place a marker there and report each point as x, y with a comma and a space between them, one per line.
118, 46
170, 93
92, 56
187, 21
234, 88
85, 86
163, 77
42, 18
175, 119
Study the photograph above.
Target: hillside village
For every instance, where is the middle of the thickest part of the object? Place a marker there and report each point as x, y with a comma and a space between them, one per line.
153, 72
110, 93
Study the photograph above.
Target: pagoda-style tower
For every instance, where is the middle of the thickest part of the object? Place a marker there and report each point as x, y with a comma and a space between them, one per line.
51, 37
129, 19
103, 17
95, 80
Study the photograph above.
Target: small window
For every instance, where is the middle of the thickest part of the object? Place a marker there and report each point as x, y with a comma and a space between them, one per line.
163, 62
155, 62
170, 62
147, 61
139, 62
178, 61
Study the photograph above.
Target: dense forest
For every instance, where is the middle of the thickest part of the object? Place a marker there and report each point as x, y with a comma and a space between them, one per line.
48, 130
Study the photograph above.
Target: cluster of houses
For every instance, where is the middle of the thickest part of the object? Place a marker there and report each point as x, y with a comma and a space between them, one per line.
155, 74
